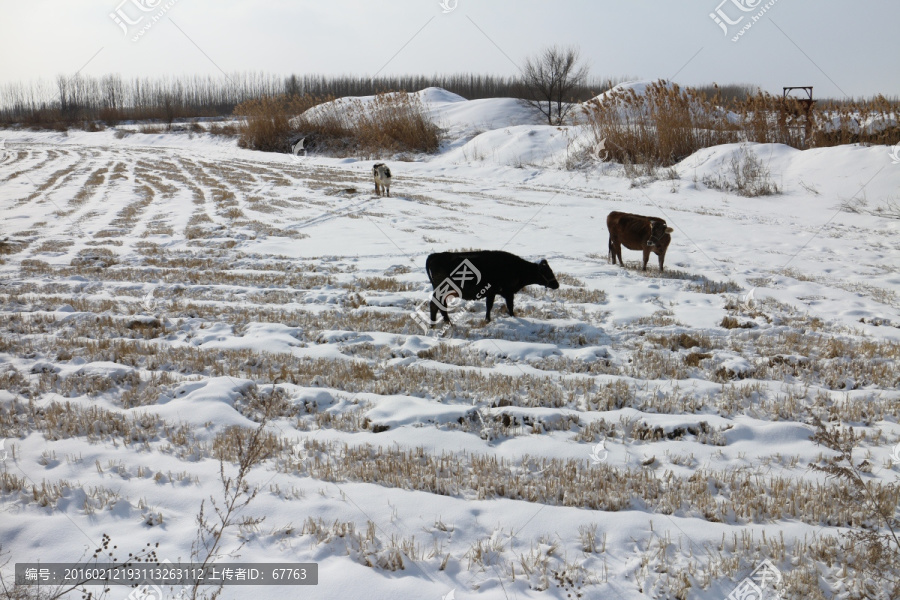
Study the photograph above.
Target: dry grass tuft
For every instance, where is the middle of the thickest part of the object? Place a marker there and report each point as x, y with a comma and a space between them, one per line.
391, 122
8, 246
668, 123
746, 176
94, 258
729, 322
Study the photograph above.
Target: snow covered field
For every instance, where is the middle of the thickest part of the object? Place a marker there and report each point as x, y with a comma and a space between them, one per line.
632, 434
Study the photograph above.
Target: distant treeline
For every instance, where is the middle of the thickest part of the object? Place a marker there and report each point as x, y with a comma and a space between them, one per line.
85, 101
78, 100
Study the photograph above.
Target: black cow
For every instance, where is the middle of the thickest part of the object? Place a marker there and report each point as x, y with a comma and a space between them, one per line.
637, 232
482, 274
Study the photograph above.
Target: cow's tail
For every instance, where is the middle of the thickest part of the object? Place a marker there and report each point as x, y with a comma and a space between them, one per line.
428, 270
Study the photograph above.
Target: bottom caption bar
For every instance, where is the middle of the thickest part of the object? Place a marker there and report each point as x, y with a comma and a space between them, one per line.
167, 574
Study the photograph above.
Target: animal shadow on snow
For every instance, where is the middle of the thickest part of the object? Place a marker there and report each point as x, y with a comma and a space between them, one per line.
700, 282
470, 325
637, 268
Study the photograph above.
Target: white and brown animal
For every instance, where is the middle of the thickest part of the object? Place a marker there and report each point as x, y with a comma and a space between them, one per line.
382, 175
637, 232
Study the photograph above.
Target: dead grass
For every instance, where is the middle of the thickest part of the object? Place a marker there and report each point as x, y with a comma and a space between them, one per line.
712, 495
152, 129
93, 258
669, 123
661, 127
660, 318
58, 177
391, 122
695, 358
654, 364
158, 225
8, 246
382, 284
746, 176
732, 323
566, 295
684, 340
61, 421
698, 283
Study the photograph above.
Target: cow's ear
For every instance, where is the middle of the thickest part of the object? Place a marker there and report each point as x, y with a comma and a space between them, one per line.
669, 230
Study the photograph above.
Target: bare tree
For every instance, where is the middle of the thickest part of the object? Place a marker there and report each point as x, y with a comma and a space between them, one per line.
550, 78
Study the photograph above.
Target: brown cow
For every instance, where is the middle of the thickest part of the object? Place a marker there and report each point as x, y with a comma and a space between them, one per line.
637, 232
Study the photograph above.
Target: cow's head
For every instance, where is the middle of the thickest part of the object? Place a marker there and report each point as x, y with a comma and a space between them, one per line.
547, 273
658, 229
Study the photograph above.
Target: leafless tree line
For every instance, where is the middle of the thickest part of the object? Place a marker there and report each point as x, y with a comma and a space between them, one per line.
74, 100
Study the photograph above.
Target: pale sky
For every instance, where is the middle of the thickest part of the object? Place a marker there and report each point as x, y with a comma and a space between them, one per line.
840, 48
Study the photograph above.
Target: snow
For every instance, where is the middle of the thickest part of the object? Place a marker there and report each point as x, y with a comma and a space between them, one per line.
638, 87
499, 182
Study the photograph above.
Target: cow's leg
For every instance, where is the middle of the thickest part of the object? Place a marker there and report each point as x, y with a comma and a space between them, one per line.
489, 301
612, 253
509, 304
377, 188
662, 257
387, 189
646, 257
433, 309
617, 252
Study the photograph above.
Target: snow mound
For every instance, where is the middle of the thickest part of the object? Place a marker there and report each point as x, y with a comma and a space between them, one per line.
793, 170
519, 351
399, 411
639, 87
436, 95
210, 401
516, 146
486, 113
